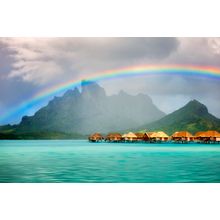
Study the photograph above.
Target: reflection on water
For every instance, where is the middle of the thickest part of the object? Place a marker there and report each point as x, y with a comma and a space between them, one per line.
80, 161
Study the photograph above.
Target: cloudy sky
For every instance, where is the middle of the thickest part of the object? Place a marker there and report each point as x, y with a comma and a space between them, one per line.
29, 65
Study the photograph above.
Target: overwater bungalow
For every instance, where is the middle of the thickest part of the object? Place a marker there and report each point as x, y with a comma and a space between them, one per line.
142, 136
163, 136
199, 136
114, 137
151, 135
96, 137
208, 136
182, 136
129, 136
159, 136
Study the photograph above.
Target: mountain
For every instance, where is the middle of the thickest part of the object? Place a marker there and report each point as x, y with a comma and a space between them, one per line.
192, 117
90, 110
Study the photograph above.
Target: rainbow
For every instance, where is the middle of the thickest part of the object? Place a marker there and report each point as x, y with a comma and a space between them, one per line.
190, 70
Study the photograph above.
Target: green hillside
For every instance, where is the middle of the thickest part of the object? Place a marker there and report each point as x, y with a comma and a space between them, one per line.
193, 117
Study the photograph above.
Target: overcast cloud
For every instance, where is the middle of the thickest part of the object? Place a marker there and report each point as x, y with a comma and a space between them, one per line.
28, 65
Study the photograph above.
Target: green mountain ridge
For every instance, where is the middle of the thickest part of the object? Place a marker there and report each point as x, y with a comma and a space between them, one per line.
192, 117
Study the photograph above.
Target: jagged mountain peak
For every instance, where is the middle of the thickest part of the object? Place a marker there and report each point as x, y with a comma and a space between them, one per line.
195, 102
70, 93
91, 111
194, 106
91, 88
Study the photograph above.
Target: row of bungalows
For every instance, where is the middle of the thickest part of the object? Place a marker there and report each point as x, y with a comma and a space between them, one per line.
210, 136
160, 136
146, 136
130, 137
200, 137
207, 136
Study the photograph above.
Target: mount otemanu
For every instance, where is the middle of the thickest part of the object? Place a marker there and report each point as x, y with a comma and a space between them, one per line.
78, 114
75, 114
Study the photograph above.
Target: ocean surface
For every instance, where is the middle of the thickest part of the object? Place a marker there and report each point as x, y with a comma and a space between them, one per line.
83, 162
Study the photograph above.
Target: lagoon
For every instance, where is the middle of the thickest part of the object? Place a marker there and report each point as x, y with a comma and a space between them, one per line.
78, 161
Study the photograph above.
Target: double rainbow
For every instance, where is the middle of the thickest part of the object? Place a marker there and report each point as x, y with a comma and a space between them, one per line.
190, 70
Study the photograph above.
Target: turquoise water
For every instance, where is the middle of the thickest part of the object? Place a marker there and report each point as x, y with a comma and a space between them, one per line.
80, 161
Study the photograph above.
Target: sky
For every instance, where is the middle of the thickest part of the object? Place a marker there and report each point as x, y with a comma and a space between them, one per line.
30, 65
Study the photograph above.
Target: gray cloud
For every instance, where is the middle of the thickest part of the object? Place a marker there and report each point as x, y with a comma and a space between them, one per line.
44, 60
139, 48
29, 65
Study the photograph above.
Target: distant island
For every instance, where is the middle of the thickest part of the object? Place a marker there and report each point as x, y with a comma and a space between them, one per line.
77, 114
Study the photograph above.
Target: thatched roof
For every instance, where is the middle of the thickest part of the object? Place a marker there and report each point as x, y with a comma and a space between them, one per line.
208, 134
150, 133
113, 135
129, 135
180, 134
159, 134
141, 135
96, 136
199, 133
